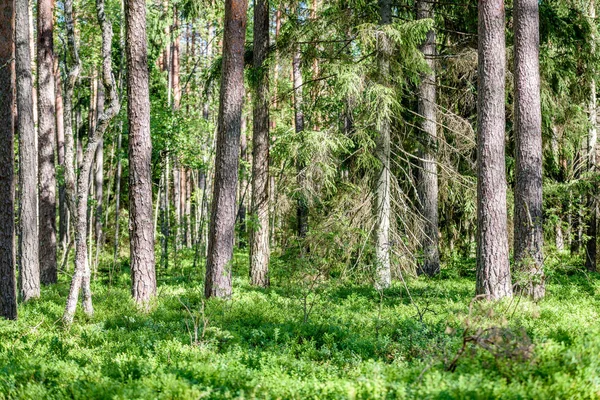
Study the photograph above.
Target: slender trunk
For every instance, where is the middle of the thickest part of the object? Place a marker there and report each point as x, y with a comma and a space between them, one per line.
428, 184
592, 223
177, 201
222, 223
99, 181
493, 269
60, 143
46, 142
118, 194
165, 216
259, 208
243, 185
143, 274
188, 208
29, 277
302, 201
383, 277
8, 284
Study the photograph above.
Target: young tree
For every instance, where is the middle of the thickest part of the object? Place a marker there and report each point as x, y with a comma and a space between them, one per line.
259, 231
493, 269
428, 182
592, 203
78, 193
528, 158
222, 223
8, 283
29, 274
302, 201
46, 141
383, 275
141, 231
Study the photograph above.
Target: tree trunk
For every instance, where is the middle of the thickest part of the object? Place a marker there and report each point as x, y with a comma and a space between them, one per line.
493, 269
259, 208
592, 223
63, 226
29, 277
46, 142
428, 184
222, 223
383, 275
243, 187
8, 284
302, 201
141, 235
99, 181
528, 235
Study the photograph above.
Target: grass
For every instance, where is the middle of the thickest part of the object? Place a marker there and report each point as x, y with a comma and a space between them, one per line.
354, 342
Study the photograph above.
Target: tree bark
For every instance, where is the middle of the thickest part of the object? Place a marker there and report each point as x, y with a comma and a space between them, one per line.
222, 224
428, 182
63, 226
8, 283
302, 201
259, 208
383, 273
592, 223
99, 181
493, 269
141, 232
46, 142
528, 235
29, 276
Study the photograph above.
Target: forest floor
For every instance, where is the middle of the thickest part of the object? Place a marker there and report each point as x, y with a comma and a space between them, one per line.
309, 339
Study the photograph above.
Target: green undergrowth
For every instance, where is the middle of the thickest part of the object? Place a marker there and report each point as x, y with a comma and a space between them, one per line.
309, 338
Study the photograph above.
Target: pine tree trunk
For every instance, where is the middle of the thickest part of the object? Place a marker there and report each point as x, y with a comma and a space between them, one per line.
29, 276
222, 223
46, 142
302, 201
143, 275
8, 284
383, 274
259, 208
60, 143
592, 223
493, 269
428, 182
529, 236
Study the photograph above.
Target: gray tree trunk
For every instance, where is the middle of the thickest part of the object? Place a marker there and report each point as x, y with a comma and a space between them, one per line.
259, 208
29, 275
529, 238
141, 232
46, 142
428, 182
302, 201
592, 223
383, 272
222, 223
8, 283
63, 226
493, 269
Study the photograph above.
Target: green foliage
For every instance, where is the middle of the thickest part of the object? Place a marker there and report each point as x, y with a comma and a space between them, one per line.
355, 342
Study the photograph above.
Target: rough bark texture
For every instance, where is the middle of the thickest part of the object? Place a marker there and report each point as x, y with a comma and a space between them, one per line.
528, 158
63, 225
428, 182
302, 201
493, 269
259, 208
592, 223
141, 232
29, 276
383, 272
46, 141
8, 283
222, 223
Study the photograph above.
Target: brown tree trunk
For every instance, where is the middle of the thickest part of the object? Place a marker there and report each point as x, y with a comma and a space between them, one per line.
493, 269
259, 208
8, 283
222, 223
383, 276
29, 276
46, 142
60, 143
528, 235
592, 223
302, 201
141, 234
428, 182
